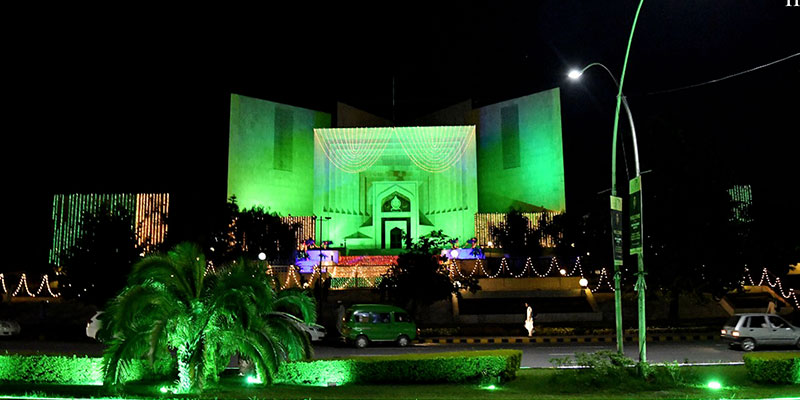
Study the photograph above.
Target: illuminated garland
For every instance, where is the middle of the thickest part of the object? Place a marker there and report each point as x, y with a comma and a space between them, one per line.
46, 284
435, 149
23, 280
603, 276
23, 283
765, 277
367, 260
353, 150
432, 149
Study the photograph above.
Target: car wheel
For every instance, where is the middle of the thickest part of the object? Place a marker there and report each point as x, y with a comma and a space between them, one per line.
403, 341
748, 345
361, 341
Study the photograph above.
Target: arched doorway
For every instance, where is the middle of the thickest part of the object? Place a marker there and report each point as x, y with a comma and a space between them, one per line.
396, 238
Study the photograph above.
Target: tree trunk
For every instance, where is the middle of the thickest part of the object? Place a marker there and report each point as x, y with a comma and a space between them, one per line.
185, 373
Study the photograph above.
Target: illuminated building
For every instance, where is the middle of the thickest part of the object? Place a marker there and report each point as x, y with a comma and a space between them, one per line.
370, 184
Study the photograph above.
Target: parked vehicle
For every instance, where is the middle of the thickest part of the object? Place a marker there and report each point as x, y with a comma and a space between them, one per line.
365, 323
315, 332
752, 330
94, 325
9, 328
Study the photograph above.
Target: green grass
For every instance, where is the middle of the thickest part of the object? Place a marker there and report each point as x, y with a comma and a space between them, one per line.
530, 384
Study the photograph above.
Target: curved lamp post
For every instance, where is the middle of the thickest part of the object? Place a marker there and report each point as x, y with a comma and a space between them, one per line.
635, 184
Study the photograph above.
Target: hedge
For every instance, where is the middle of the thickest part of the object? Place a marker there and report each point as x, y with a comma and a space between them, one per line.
62, 369
466, 366
773, 367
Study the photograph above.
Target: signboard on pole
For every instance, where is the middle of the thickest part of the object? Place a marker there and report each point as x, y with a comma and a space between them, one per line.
616, 228
636, 215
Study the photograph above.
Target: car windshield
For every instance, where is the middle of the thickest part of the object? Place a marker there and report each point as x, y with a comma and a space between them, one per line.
732, 321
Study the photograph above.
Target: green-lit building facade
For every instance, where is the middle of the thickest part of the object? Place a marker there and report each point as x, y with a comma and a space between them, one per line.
371, 184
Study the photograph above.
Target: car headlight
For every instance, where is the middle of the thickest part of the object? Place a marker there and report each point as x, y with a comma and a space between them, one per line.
735, 333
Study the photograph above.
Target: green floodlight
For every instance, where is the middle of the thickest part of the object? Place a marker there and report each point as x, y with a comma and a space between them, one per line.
715, 385
163, 389
253, 379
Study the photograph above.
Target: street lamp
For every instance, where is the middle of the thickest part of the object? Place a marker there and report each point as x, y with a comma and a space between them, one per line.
637, 245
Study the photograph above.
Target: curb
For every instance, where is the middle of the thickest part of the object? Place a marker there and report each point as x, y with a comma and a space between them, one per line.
565, 339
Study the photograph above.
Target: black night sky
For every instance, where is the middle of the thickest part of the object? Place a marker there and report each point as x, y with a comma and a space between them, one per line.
138, 100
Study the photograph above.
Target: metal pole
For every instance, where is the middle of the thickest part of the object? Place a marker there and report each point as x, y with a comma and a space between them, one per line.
641, 286
617, 295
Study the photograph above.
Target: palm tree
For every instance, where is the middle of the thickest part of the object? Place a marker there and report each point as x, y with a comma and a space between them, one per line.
172, 303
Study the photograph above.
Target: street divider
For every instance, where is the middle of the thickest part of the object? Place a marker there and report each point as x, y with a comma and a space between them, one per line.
565, 339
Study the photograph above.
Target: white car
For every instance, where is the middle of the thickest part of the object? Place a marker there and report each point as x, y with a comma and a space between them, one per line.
8, 328
314, 331
94, 325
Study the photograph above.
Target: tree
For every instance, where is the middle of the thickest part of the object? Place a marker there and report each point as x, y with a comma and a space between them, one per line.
244, 233
97, 264
420, 279
171, 304
516, 237
586, 237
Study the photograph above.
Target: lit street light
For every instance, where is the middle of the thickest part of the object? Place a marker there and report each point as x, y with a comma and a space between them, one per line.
636, 248
637, 237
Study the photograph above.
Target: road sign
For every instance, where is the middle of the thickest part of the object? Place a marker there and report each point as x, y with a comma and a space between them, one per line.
636, 215
616, 228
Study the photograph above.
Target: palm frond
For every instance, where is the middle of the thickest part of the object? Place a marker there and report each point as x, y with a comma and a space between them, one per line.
162, 269
293, 338
298, 303
191, 265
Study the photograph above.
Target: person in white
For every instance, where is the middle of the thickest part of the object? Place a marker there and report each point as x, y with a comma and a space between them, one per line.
529, 319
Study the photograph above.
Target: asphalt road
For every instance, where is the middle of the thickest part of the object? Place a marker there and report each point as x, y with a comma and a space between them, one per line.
533, 355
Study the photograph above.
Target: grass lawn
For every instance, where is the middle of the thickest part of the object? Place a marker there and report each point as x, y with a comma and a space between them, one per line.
530, 384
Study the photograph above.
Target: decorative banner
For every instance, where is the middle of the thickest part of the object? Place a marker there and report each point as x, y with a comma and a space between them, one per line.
616, 228
353, 150
636, 215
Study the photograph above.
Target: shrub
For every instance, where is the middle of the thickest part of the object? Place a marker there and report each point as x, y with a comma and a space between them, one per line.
773, 367
410, 368
62, 369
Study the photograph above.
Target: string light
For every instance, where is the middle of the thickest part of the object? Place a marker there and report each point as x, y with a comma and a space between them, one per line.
46, 284
603, 277
3, 281
435, 149
353, 150
432, 149
23, 281
765, 276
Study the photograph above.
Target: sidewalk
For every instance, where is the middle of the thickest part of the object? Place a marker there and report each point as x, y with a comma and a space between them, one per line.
678, 337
